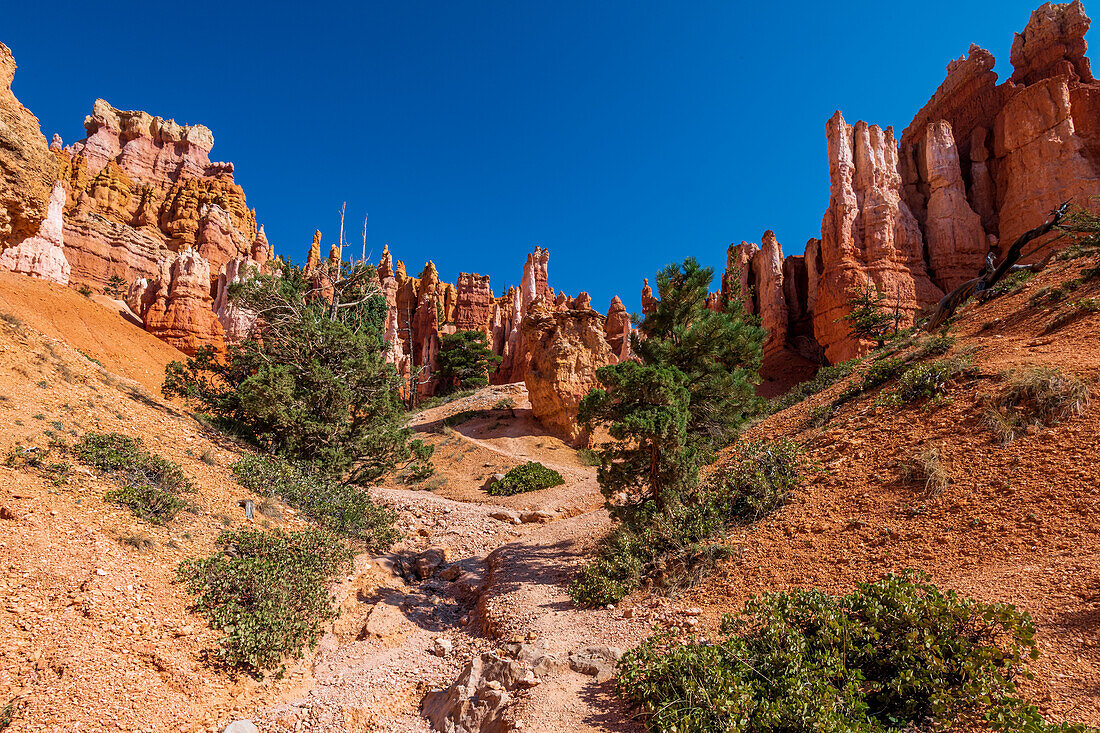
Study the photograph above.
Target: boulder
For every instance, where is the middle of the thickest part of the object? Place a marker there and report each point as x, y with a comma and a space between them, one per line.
566, 348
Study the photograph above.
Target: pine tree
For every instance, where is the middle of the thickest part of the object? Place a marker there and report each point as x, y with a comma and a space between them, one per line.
689, 396
310, 383
465, 361
116, 286
870, 316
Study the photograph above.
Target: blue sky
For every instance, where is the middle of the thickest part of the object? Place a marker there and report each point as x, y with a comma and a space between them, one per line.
620, 135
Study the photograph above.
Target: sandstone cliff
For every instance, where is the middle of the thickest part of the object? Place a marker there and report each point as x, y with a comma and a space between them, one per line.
27, 170
980, 164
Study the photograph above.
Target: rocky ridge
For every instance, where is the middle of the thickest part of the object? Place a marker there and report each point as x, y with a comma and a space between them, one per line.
980, 164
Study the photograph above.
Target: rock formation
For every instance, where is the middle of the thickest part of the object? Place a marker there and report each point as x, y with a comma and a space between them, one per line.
180, 309
566, 348
27, 170
868, 235
617, 329
422, 310
42, 255
980, 164
957, 243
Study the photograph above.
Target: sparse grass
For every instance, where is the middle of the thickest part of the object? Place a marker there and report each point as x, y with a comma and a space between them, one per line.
91, 358
269, 508
38, 416
821, 415
936, 345
504, 403
588, 457
268, 591
137, 540
151, 485
209, 457
926, 468
12, 321
435, 482
1038, 395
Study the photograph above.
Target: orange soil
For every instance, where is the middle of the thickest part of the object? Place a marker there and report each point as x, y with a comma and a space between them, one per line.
96, 330
1018, 523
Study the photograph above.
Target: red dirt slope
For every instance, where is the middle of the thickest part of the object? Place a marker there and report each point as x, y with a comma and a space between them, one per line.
1018, 522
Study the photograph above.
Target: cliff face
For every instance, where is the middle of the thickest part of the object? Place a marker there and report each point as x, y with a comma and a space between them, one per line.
980, 164
27, 170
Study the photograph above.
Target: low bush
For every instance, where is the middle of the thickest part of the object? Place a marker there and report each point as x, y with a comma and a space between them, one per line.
1037, 395
897, 654
588, 457
531, 476
504, 403
676, 547
927, 381
268, 592
936, 345
151, 485
338, 507
758, 479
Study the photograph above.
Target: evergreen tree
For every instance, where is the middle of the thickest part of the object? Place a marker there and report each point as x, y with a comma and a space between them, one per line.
465, 361
116, 286
689, 396
719, 352
310, 382
869, 316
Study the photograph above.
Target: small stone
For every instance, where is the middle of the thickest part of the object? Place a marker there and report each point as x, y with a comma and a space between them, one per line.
441, 647
241, 726
100, 572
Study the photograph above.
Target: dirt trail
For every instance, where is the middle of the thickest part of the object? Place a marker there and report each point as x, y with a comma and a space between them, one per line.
511, 586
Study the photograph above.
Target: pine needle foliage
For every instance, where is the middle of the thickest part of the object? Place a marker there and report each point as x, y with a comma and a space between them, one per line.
465, 361
310, 382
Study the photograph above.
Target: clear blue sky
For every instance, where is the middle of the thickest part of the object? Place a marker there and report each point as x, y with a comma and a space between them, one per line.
620, 135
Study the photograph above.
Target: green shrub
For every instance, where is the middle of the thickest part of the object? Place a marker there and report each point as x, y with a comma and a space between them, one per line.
268, 592
1009, 284
926, 381
757, 479
151, 485
588, 457
338, 507
675, 547
504, 403
310, 381
933, 346
826, 377
531, 476
897, 654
